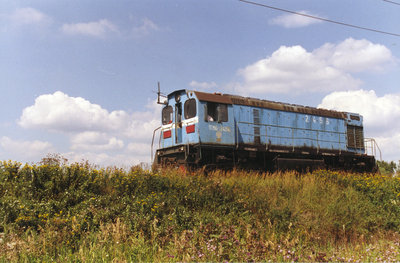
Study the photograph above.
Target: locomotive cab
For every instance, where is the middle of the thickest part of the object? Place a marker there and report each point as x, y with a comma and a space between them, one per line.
194, 124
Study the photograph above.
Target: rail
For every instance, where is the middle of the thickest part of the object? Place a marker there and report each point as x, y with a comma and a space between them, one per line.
371, 147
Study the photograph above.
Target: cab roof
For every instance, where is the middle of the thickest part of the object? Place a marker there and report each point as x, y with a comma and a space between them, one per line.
247, 101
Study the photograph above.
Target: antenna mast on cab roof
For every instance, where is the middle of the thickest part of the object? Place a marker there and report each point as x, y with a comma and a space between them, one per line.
159, 95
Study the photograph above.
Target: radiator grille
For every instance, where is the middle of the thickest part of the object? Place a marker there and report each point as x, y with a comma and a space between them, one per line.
256, 119
355, 137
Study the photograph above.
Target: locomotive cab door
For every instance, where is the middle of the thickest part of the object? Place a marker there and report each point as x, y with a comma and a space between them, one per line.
178, 123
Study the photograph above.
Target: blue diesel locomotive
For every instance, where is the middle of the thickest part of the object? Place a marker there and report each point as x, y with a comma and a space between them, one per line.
224, 131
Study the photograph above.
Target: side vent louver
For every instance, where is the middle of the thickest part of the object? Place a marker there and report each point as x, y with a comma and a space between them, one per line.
355, 137
256, 119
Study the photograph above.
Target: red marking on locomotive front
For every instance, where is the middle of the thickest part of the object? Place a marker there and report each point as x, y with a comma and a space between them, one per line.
167, 134
190, 128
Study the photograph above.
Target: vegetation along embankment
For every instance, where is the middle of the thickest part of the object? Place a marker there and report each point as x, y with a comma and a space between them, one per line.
53, 211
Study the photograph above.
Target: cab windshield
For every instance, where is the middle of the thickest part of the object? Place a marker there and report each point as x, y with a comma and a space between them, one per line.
190, 108
167, 115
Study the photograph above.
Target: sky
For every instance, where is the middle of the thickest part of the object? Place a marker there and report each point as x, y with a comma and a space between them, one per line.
78, 78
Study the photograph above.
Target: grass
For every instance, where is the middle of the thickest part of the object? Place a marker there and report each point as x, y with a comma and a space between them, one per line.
53, 211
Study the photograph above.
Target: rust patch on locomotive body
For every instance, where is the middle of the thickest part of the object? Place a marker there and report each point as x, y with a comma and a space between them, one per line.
213, 97
286, 107
280, 106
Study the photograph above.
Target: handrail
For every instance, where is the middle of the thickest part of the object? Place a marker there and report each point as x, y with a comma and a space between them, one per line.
372, 145
152, 142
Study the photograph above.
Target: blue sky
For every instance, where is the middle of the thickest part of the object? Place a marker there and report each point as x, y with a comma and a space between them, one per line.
78, 77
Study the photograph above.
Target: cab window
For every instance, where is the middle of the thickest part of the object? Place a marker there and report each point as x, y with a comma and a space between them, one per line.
167, 115
190, 108
216, 112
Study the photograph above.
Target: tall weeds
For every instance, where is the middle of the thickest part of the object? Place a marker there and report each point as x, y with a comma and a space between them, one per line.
53, 211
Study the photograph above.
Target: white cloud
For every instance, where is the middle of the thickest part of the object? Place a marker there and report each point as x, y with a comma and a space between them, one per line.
59, 112
295, 70
389, 146
294, 21
132, 154
102, 137
355, 55
381, 116
104, 27
95, 141
144, 122
25, 149
104, 159
145, 28
29, 16
140, 149
141, 129
94, 29
203, 85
